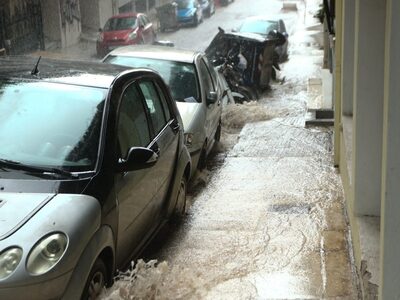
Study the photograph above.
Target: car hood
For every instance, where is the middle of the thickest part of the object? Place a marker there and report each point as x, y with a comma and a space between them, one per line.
188, 112
117, 35
17, 208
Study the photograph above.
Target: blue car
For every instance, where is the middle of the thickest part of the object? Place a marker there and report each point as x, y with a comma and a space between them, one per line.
189, 12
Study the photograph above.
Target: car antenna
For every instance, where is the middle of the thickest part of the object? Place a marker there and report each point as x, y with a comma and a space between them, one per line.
35, 70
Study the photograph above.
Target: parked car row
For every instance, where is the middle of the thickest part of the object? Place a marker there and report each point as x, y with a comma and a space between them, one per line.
105, 162
136, 28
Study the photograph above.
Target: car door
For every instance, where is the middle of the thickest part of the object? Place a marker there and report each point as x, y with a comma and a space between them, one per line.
210, 86
135, 190
165, 134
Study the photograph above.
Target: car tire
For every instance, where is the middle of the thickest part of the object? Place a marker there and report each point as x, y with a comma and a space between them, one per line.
195, 21
97, 279
180, 206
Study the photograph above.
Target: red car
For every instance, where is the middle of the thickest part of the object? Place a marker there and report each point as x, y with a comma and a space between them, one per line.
125, 29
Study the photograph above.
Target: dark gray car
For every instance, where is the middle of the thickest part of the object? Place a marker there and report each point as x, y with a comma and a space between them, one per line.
92, 163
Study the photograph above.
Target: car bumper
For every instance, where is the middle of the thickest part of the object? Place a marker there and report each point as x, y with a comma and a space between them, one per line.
49, 289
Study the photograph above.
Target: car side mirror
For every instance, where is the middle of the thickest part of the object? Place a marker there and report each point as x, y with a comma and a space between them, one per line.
212, 97
138, 158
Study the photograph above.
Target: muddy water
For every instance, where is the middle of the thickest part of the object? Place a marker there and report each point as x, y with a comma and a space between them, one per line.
266, 219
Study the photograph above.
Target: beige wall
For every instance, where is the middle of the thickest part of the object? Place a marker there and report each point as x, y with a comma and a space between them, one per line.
51, 19
90, 13
70, 23
105, 11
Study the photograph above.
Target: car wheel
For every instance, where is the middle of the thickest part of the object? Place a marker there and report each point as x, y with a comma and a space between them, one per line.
96, 281
195, 20
180, 207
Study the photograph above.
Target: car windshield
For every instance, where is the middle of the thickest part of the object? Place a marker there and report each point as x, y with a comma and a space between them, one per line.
259, 26
181, 77
120, 24
50, 125
183, 4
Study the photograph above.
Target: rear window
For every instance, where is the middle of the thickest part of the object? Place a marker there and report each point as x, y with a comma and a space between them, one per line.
259, 26
183, 4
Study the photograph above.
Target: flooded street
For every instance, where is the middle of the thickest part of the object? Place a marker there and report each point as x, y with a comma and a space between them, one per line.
267, 219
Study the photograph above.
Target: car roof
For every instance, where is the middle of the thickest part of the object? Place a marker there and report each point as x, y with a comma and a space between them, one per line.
157, 52
126, 15
82, 73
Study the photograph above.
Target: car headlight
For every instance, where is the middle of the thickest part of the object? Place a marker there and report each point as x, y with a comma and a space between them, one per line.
188, 139
132, 35
9, 261
47, 253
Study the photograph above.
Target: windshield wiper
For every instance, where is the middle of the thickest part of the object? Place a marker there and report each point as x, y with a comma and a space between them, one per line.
16, 165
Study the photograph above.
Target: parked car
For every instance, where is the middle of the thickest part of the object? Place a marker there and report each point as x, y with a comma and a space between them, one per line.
125, 29
193, 82
92, 163
208, 7
263, 26
189, 12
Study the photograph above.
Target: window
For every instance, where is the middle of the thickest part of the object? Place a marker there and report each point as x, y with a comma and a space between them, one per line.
154, 105
164, 103
212, 71
206, 79
133, 130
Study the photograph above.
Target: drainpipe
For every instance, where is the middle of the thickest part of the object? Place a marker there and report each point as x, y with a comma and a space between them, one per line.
338, 79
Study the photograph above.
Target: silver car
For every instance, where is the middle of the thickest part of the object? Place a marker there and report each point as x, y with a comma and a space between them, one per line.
194, 85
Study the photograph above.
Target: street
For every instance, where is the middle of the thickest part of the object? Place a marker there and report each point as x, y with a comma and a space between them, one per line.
267, 218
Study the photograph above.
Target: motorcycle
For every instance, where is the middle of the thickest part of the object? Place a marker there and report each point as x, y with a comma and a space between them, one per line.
228, 67
245, 60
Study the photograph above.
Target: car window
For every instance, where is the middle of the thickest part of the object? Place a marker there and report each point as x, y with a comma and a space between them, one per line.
180, 76
41, 125
133, 129
282, 27
213, 72
259, 26
205, 77
154, 105
120, 24
164, 103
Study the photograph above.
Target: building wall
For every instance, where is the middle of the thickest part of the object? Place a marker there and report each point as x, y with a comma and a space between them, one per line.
70, 22
106, 10
51, 20
90, 14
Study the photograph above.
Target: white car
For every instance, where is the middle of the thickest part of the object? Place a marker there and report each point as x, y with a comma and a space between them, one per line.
194, 85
